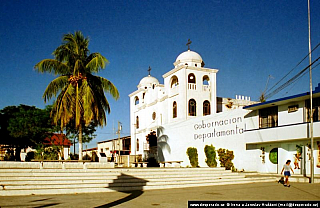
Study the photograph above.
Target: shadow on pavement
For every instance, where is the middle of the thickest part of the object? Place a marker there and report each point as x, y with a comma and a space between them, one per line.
40, 200
126, 184
47, 205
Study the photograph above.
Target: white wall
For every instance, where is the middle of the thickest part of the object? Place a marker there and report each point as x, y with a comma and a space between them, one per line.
198, 132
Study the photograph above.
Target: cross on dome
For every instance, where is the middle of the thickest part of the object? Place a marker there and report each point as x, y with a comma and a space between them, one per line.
188, 44
149, 70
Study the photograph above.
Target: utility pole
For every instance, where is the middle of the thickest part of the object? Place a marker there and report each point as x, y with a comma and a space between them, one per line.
119, 132
311, 106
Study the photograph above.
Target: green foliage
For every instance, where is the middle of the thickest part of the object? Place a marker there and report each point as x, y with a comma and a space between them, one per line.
86, 157
210, 152
9, 156
74, 157
30, 156
47, 153
23, 125
80, 94
87, 132
225, 158
193, 156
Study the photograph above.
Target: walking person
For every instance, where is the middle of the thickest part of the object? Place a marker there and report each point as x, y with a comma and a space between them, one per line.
286, 168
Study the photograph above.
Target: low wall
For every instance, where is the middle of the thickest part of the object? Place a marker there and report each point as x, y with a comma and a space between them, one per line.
54, 165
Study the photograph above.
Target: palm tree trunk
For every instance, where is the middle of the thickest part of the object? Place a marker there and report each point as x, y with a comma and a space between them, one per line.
80, 142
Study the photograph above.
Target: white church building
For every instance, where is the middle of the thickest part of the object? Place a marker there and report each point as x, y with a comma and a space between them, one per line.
186, 112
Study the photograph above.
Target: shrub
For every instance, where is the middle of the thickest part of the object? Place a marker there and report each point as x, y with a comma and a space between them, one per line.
152, 162
9, 156
210, 152
193, 156
86, 157
225, 157
74, 157
30, 156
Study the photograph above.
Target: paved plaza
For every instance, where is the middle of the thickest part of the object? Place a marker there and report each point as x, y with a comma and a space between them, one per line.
270, 191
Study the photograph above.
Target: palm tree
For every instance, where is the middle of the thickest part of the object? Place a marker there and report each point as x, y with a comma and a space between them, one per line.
162, 143
80, 95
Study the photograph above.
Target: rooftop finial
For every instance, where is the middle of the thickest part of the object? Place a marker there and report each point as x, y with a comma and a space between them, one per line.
149, 70
188, 44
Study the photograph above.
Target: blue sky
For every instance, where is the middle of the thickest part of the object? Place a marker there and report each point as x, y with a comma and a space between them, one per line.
246, 40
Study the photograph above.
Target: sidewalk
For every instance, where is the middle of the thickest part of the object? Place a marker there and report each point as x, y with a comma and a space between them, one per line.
293, 178
270, 191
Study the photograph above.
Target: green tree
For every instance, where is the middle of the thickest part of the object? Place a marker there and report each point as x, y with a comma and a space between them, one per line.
22, 126
80, 95
87, 132
210, 152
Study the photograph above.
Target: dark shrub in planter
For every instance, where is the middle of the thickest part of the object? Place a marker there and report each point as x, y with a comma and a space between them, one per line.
193, 156
225, 157
210, 152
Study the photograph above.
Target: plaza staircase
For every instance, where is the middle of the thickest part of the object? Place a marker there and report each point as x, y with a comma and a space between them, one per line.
70, 181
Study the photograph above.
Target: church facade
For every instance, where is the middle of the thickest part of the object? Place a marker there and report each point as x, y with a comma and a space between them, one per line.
178, 109
185, 112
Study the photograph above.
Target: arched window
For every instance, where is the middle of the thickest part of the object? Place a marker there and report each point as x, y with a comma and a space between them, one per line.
206, 108
136, 100
137, 144
192, 107
174, 109
137, 122
191, 78
205, 80
174, 81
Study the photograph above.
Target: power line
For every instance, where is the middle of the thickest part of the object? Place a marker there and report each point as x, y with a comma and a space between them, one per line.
290, 81
293, 68
299, 78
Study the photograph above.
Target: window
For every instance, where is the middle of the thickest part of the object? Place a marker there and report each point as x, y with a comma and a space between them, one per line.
205, 80
137, 144
192, 107
174, 81
137, 122
174, 109
136, 100
206, 108
268, 117
315, 107
191, 78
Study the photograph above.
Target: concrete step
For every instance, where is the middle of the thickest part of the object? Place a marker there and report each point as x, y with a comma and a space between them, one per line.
114, 180
121, 189
116, 170
111, 177
63, 181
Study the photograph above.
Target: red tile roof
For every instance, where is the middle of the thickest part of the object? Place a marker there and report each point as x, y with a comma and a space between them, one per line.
58, 139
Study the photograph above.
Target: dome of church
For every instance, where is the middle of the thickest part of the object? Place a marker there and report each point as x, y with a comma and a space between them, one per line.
189, 56
148, 81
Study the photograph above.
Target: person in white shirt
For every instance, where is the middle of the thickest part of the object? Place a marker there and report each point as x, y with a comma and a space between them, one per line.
286, 168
